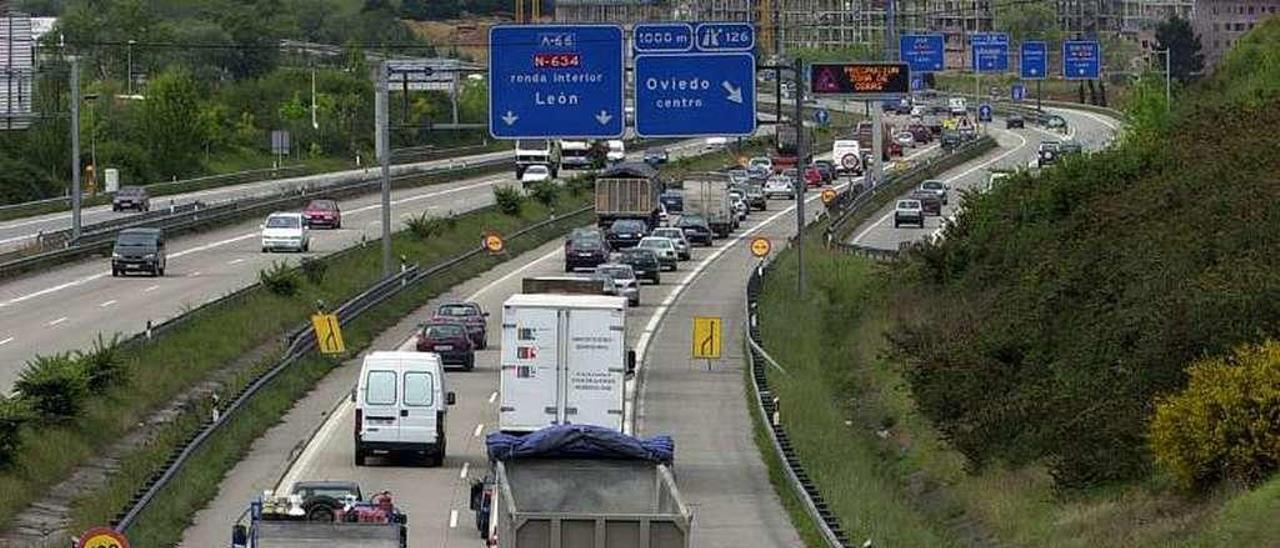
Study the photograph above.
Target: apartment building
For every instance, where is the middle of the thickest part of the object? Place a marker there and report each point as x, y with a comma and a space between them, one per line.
1219, 23
622, 12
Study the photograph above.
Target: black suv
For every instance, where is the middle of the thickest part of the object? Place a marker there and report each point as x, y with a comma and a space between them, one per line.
131, 197
695, 229
644, 262
584, 249
626, 233
138, 250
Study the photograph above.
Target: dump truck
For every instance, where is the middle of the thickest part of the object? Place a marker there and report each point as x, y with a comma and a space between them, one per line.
564, 285
295, 521
628, 190
579, 486
707, 195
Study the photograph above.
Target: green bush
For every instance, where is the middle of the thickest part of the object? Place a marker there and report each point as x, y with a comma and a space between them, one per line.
1226, 423
280, 279
545, 193
508, 199
56, 386
423, 226
578, 186
14, 414
102, 364
314, 269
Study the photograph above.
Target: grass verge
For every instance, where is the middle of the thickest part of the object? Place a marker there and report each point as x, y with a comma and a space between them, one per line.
165, 519
887, 475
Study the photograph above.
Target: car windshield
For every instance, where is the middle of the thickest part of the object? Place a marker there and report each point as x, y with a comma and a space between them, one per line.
324, 205
672, 233
691, 220
909, 204
628, 226
655, 243
932, 185
131, 191
129, 239
636, 254
587, 244
617, 272
443, 331
456, 310
536, 170
283, 221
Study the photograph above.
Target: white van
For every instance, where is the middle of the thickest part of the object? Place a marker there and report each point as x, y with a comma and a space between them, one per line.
400, 406
847, 155
617, 151
957, 106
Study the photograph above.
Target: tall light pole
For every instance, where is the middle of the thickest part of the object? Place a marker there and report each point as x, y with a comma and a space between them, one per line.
75, 98
129, 56
383, 141
1168, 78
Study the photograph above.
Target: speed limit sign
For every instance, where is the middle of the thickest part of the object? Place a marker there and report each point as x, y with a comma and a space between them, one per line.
849, 161
102, 537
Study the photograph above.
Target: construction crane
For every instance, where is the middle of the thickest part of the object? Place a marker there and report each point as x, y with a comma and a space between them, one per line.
535, 11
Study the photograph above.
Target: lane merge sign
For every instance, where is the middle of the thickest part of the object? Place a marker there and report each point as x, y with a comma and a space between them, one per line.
556, 81
328, 333
761, 246
705, 90
922, 52
990, 52
1081, 60
707, 337
1033, 60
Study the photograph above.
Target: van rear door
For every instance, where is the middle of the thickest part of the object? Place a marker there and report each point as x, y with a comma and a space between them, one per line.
419, 407
381, 404
595, 367
530, 354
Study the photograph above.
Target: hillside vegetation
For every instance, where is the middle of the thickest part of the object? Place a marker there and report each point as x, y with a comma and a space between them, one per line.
1060, 307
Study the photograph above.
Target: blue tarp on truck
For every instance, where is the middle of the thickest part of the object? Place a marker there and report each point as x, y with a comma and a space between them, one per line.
580, 441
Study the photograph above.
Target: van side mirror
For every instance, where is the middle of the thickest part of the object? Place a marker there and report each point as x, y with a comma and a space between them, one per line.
239, 536
477, 493
631, 362
450, 398
486, 314
353, 394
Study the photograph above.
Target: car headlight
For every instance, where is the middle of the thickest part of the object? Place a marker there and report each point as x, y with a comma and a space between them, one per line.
115, 255
149, 256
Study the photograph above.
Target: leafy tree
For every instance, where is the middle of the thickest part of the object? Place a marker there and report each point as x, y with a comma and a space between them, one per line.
1025, 21
1185, 60
170, 116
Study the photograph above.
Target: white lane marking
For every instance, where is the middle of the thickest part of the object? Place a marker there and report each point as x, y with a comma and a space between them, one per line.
513, 274
982, 165
106, 304
7, 340
479, 429
57, 321
1106, 121
465, 467
193, 274
313, 448
493, 396
453, 519
150, 289
53, 289
235, 261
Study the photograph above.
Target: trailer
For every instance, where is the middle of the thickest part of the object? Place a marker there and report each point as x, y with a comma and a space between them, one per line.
580, 487
291, 521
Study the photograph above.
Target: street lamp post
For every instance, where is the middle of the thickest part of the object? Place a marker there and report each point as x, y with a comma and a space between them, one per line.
1168, 78
129, 56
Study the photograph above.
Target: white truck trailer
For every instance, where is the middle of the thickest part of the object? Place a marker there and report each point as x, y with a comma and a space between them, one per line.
564, 361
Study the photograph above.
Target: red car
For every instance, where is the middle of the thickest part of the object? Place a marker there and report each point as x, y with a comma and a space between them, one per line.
470, 315
449, 340
323, 213
812, 177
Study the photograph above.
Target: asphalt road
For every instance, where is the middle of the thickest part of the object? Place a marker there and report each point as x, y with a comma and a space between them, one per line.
1017, 150
720, 473
64, 308
16, 232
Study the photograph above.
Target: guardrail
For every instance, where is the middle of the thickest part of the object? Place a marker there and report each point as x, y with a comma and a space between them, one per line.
298, 344
57, 247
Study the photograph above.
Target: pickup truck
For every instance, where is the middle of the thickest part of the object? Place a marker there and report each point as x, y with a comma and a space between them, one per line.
580, 486
321, 518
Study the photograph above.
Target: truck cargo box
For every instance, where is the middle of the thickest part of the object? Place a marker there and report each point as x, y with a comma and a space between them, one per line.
628, 190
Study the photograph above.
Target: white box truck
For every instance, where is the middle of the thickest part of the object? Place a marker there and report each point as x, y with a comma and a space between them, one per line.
564, 361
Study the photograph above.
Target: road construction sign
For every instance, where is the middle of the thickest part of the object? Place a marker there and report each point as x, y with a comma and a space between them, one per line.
760, 246
707, 337
328, 333
102, 537
494, 243
828, 196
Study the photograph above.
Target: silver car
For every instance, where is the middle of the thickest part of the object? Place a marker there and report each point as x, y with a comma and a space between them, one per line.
677, 236
624, 278
666, 250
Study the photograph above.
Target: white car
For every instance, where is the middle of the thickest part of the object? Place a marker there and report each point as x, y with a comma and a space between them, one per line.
739, 206
668, 256
779, 186
535, 174
285, 231
761, 162
677, 236
617, 151
847, 155
905, 139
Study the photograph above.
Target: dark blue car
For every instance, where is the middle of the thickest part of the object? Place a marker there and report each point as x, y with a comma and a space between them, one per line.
673, 201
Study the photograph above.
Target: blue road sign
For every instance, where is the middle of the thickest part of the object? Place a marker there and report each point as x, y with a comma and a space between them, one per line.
1033, 63
917, 82
725, 36
990, 52
1081, 60
1018, 92
821, 116
695, 94
922, 52
555, 81
662, 38
984, 112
